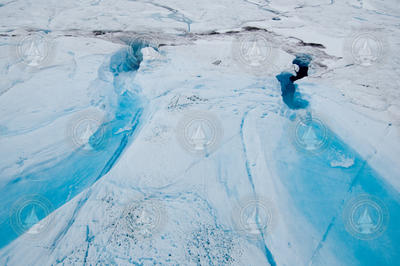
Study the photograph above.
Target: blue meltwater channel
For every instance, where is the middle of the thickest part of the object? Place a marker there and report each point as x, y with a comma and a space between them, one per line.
354, 210
62, 181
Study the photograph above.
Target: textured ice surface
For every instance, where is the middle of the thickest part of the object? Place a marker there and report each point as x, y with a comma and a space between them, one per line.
98, 197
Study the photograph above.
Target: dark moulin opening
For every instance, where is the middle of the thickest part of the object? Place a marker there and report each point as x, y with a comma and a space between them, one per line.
129, 59
289, 95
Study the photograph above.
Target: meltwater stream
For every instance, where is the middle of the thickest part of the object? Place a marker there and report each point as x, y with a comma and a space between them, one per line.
355, 211
60, 182
323, 187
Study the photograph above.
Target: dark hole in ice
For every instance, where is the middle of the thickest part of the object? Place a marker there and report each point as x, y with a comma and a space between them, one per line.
289, 95
129, 59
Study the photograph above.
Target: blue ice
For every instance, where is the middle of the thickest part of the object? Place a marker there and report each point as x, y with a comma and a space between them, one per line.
320, 191
59, 182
